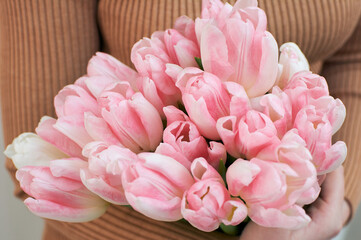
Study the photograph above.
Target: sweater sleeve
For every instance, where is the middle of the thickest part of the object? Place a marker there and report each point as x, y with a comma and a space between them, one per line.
343, 73
44, 45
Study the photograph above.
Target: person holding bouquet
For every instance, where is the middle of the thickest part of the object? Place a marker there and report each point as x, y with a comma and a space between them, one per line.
46, 45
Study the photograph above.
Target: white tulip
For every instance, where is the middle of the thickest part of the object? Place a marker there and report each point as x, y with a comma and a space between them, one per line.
28, 149
291, 61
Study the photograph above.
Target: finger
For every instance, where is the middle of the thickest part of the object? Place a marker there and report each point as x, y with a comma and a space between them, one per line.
346, 212
321, 179
333, 188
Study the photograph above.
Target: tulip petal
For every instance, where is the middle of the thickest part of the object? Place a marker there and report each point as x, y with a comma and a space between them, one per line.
98, 186
49, 133
51, 210
292, 218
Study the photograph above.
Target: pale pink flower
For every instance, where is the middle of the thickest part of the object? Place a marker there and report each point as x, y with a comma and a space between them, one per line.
154, 186
150, 57
157, 97
278, 107
211, 8
248, 135
183, 142
186, 26
57, 192
208, 211
240, 103
303, 88
74, 100
97, 84
274, 189
103, 176
315, 128
102, 64
207, 203
134, 122
334, 109
235, 45
202, 170
181, 50
291, 61
263, 185
49, 133
174, 114
205, 99
70, 104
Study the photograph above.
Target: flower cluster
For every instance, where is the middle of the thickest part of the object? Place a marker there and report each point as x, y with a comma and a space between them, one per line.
214, 125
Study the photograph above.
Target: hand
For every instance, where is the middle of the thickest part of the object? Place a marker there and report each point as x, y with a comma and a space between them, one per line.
329, 213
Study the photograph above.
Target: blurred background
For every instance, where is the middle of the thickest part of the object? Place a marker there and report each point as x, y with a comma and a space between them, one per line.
17, 223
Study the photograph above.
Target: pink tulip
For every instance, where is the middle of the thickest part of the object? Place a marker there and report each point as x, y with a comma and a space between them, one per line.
97, 84
114, 93
73, 100
294, 217
274, 189
211, 8
103, 176
240, 103
310, 195
73, 128
57, 192
185, 138
291, 61
183, 142
180, 49
174, 114
156, 97
50, 134
173, 70
235, 46
303, 88
293, 152
186, 26
208, 203
205, 99
277, 106
134, 122
154, 186
150, 57
270, 190
202, 170
105, 65
247, 136
315, 128
80, 82
333, 109
70, 104
97, 128
215, 9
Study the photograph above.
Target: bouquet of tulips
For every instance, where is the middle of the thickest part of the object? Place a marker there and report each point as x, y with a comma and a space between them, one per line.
216, 125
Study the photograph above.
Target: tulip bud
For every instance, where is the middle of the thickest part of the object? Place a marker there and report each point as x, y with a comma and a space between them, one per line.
205, 99
60, 196
103, 176
28, 149
154, 186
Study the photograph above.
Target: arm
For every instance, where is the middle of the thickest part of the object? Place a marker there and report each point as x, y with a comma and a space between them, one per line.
45, 45
343, 73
